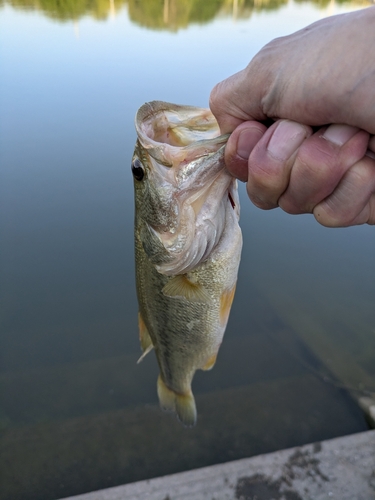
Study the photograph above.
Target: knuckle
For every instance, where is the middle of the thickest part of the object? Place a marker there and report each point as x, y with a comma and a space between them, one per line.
362, 173
327, 218
290, 206
331, 214
371, 204
353, 202
264, 183
316, 160
260, 202
214, 101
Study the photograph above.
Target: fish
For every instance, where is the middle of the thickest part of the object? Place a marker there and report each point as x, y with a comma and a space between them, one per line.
187, 245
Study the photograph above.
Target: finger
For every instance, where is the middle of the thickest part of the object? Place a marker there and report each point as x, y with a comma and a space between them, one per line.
230, 102
239, 146
271, 161
353, 201
371, 147
320, 164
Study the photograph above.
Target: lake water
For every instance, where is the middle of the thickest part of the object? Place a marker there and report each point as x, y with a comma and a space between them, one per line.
77, 412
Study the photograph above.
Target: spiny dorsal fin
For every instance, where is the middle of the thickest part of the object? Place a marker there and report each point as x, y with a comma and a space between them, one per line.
181, 286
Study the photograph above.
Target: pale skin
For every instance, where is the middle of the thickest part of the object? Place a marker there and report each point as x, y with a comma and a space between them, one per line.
317, 89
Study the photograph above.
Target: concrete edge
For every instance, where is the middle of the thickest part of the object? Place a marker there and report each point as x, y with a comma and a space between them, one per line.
342, 468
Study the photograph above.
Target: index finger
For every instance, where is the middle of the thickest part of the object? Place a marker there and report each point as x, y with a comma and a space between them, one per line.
229, 101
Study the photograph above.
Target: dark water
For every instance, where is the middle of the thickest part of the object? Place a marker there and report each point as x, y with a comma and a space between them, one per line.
77, 413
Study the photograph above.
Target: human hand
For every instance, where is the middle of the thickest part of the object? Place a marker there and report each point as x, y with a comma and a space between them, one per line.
324, 172
327, 173
321, 74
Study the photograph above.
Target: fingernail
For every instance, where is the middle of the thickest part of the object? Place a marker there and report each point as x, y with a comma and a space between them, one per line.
247, 140
339, 134
287, 137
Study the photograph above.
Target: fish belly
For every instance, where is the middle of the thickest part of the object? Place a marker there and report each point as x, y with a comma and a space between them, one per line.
186, 335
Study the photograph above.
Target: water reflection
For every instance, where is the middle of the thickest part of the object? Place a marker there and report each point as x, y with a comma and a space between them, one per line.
77, 412
66, 10
169, 15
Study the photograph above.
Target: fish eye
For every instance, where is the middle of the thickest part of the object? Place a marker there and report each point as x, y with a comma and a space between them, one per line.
137, 170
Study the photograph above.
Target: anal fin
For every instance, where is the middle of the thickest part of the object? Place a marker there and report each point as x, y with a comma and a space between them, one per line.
210, 363
144, 338
182, 404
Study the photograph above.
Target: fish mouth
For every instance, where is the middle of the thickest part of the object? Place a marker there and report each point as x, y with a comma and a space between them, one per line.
179, 126
186, 151
175, 135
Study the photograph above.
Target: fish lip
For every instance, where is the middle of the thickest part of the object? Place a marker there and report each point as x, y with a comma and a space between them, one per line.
159, 119
175, 135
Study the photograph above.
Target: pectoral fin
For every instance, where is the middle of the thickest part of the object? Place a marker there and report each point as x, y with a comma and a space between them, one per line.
181, 286
182, 404
144, 338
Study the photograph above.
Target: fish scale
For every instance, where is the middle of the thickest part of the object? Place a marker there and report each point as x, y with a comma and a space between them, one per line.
185, 278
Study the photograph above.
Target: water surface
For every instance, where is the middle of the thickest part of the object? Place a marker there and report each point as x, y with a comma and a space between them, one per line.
77, 413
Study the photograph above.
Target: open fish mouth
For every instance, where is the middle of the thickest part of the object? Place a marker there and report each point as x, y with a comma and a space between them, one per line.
177, 126
185, 152
175, 135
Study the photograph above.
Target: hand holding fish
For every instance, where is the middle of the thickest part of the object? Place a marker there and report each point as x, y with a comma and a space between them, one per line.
320, 75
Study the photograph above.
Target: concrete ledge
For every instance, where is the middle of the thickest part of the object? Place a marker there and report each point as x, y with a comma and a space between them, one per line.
341, 468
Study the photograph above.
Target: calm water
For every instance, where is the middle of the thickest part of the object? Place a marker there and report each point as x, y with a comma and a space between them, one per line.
77, 413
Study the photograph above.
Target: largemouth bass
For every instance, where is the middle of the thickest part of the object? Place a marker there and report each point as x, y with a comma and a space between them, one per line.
187, 245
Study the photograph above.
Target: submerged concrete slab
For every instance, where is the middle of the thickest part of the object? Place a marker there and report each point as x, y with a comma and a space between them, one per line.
341, 468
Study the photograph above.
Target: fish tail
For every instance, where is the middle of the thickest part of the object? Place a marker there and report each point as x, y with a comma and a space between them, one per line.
186, 409
182, 404
166, 396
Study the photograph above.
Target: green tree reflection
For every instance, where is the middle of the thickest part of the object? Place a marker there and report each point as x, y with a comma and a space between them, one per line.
172, 14
160, 14
67, 10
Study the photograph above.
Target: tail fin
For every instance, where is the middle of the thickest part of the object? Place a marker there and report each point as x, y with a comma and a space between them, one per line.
182, 404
